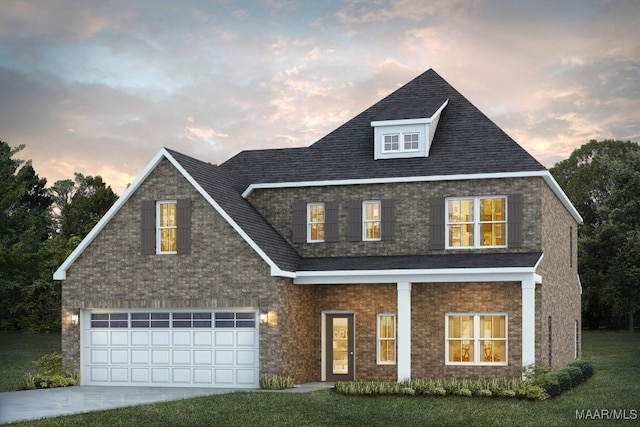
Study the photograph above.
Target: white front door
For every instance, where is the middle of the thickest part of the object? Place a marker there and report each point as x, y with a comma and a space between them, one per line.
170, 348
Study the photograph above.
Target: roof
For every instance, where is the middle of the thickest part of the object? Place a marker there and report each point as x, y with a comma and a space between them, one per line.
422, 262
463, 135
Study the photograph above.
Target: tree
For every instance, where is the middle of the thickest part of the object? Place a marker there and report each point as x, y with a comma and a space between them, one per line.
602, 179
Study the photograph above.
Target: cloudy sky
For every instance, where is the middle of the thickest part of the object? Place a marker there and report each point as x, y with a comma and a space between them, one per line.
98, 87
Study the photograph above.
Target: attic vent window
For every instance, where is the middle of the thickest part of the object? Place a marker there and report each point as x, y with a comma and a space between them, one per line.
403, 134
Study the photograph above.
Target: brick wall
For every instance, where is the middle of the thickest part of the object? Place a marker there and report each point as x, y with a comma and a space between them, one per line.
221, 271
412, 212
558, 297
431, 301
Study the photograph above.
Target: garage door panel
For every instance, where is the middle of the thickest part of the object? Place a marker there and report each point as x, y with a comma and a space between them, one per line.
146, 348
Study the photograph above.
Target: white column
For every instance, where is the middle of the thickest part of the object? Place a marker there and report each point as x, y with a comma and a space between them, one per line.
528, 321
404, 330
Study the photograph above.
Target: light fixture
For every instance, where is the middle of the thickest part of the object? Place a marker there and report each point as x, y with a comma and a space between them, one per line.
74, 319
264, 317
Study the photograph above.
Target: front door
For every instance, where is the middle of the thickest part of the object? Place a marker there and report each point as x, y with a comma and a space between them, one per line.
340, 361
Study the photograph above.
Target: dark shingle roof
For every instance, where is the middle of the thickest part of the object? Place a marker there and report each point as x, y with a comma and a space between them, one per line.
421, 262
465, 142
226, 189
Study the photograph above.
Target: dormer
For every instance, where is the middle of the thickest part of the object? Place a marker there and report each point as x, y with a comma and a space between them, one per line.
406, 132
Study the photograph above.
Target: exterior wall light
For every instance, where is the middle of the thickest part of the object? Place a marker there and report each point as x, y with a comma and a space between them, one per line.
74, 319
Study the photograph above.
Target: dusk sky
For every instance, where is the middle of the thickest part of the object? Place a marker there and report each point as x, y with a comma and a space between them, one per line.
99, 87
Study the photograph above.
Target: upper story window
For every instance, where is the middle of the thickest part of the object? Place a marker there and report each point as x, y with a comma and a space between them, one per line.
410, 142
476, 222
315, 222
371, 220
167, 227
476, 338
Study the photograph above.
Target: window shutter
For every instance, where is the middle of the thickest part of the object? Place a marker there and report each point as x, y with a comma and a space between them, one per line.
299, 222
183, 207
437, 231
514, 219
148, 227
354, 221
388, 208
331, 221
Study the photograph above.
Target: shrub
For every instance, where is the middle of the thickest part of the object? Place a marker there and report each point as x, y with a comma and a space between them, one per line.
50, 374
575, 374
275, 382
585, 367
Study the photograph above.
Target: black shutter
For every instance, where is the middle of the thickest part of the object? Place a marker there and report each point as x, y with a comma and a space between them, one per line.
514, 220
148, 227
437, 229
183, 207
331, 221
388, 208
354, 221
299, 222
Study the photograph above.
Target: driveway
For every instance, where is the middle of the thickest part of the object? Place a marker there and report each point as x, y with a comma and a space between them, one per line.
53, 402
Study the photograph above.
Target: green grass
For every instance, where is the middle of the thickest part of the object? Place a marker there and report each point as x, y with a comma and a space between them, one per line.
18, 351
615, 385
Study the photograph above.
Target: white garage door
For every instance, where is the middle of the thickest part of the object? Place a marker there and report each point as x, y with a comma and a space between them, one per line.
173, 348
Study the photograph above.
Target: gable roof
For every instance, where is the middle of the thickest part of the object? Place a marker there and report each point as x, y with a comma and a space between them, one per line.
466, 143
223, 191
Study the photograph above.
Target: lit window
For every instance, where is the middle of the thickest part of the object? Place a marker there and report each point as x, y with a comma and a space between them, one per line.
371, 221
386, 339
166, 227
476, 339
315, 223
476, 222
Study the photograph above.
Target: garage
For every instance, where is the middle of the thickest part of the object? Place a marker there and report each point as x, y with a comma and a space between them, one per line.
170, 348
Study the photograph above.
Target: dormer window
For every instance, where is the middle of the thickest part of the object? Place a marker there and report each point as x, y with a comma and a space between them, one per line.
399, 135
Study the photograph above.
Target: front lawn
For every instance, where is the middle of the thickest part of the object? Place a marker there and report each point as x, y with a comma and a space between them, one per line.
18, 351
615, 386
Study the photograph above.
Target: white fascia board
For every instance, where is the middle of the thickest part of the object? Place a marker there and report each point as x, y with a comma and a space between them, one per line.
451, 275
61, 272
383, 123
391, 180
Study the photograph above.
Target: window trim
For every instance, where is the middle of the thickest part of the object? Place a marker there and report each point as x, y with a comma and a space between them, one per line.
366, 221
477, 359
379, 339
401, 142
477, 222
310, 223
159, 228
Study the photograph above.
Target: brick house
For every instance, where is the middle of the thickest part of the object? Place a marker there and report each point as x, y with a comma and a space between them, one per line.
416, 240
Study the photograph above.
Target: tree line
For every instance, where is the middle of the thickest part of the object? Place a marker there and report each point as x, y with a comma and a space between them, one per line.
40, 226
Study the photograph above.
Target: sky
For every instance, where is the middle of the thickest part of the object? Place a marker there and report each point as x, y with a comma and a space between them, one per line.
99, 87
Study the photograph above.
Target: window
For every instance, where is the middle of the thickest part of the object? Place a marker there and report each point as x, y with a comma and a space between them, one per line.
371, 220
386, 339
476, 338
410, 142
476, 222
315, 222
235, 320
167, 227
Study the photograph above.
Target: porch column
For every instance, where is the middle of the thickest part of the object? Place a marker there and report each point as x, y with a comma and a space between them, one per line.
404, 330
528, 320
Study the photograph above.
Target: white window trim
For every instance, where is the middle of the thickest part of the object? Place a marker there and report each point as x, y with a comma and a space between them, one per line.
477, 359
401, 148
365, 221
394, 339
476, 222
159, 229
310, 223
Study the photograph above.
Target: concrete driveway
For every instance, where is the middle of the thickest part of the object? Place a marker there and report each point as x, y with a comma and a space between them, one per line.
53, 402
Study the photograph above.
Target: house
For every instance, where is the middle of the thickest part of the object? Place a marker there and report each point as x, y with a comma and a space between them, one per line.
416, 240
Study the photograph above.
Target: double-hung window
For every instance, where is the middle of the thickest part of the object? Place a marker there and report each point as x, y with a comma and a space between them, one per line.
476, 222
476, 338
371, 220
386, 338
315, 222
167, 226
